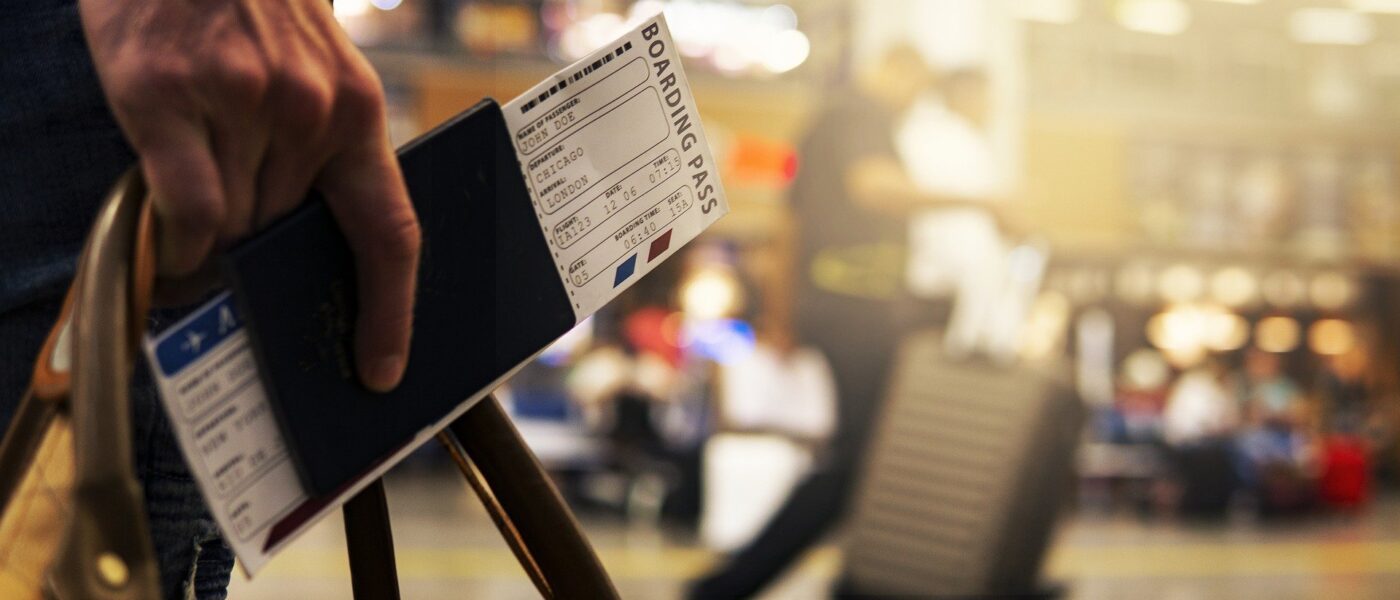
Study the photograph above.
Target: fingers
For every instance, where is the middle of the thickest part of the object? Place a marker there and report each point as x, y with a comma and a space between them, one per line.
283, 181
198, 129
238, 147
187, 188
236, 110
365, 192
302, 103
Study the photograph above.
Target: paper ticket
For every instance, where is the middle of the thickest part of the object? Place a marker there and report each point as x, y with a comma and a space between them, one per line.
208, 380
617, 163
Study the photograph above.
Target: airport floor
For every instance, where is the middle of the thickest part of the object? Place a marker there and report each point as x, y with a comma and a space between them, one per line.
447, 548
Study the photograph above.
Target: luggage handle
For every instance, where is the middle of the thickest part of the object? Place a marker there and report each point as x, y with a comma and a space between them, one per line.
84, 368
107, 552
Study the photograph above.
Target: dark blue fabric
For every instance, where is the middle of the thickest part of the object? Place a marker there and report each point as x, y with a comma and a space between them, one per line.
59, 148
59, 151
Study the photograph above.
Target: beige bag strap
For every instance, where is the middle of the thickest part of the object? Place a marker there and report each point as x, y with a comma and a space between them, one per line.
527, 509
107, 552
85, 368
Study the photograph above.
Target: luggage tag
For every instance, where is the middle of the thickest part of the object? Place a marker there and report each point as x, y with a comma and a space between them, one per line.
534, 214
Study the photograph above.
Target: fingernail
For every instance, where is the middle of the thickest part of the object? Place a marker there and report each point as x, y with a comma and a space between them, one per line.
385, 373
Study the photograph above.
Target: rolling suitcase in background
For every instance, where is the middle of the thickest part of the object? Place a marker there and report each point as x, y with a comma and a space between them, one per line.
964, 479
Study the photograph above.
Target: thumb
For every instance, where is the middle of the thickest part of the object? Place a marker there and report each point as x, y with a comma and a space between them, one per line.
365, 192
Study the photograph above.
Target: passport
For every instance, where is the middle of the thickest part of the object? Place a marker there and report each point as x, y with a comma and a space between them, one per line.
488, 299
534, 215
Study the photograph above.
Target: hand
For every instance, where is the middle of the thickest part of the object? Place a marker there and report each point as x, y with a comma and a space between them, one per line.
236, 109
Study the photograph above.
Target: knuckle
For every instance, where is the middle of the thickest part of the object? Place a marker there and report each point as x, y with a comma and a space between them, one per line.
360, 98
237, 78
159, 81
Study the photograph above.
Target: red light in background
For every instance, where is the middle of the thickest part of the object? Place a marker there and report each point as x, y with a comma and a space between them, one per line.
759, 161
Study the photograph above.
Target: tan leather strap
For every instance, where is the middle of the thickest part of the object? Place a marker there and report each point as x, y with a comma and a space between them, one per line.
50, 379
21, 442
107, 551
51, 369
370, 543
538, 522
498, 515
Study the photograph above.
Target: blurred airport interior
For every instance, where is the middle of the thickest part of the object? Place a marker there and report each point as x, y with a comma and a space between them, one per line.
958, 228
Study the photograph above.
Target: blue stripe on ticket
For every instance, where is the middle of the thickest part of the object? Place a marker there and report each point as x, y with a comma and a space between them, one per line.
197, 334
625, 270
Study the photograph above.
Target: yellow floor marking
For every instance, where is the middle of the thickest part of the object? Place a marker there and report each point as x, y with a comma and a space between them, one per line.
1107, 561
490, 563
1170, 560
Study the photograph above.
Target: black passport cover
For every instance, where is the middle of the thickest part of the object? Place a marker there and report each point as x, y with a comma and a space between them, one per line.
488, 299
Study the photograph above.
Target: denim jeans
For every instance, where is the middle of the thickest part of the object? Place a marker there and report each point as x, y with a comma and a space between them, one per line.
59, 151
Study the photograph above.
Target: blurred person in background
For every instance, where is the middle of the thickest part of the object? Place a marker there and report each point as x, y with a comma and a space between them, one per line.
1200, 417
1275, 446
1353, 435
1344, 388
945, 145
851, 202
1273, 399
1141, 395
1200, 406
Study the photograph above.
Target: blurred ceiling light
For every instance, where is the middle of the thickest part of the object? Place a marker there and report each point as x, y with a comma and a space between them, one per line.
386, 4
350, 8
737, 38
1225, 331
780, 16
1233, 286
730, 59
1046, 323
598, 375
1059, 12
1335, 26
1164, 333
1144, 369
1185, 332
1282, 289
786, 51
1185, 359
1331, 291
1331, 337
1158, 17
711, 293
587, 34
1177, 332
1180, 283
1276, 334
1377, 6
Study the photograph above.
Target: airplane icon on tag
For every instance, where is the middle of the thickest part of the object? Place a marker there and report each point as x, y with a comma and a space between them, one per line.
193, 340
